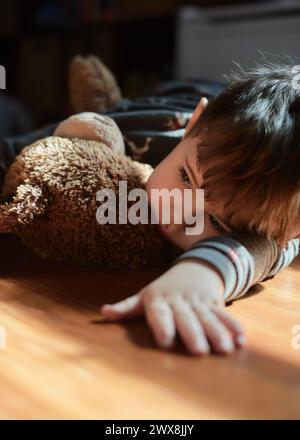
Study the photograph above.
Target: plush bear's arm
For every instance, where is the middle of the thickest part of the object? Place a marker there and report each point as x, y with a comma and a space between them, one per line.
28, 203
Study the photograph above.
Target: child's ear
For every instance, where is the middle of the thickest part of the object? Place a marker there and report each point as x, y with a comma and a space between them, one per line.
197, 112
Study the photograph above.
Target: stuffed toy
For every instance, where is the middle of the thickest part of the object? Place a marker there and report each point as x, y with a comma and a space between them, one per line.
49, 201
92, 86
49, 193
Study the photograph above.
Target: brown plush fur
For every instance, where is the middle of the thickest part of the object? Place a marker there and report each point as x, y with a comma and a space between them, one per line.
92, 85
49, 201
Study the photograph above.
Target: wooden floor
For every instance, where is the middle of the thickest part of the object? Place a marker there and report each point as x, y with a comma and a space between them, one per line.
60, 361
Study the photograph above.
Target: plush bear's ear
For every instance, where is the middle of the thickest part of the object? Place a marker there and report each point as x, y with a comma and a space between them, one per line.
28, 203
93, 87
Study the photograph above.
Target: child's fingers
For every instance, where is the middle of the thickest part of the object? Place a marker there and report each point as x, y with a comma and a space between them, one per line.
189, 328
233, 326
160, 318
128, 308
216, 332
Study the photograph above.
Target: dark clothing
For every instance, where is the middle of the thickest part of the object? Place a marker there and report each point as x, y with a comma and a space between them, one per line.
152, 125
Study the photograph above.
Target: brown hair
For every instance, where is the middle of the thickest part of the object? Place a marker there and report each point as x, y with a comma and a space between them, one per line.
249, 150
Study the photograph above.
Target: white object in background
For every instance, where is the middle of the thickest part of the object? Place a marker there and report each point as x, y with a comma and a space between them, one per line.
211, 40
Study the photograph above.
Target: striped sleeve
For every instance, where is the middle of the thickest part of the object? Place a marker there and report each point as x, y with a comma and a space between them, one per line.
243, 259
287, 255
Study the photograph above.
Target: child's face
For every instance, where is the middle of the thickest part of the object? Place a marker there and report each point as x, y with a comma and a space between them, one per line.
179, 170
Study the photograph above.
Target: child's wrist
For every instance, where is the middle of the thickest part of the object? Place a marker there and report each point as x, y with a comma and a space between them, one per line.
214, 275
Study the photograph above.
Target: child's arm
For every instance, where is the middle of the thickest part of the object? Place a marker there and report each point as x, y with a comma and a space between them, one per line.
189, 298
243, 259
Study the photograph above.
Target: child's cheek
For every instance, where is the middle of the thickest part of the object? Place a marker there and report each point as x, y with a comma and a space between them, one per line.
187, 241
177, 236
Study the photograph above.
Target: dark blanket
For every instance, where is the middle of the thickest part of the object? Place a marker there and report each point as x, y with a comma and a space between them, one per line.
152, 125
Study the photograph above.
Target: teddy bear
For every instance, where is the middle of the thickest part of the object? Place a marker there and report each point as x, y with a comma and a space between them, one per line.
49, 195
49, 200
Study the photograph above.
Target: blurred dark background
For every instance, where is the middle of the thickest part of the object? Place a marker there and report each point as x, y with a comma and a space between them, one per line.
135, 38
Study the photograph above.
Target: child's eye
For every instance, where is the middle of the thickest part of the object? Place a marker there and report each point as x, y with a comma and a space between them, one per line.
184, 177
216, 225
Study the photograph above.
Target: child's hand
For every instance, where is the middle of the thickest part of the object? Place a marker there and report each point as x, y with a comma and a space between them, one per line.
188, 298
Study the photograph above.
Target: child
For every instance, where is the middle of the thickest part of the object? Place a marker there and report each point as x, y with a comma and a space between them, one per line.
243, 150
240, 148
